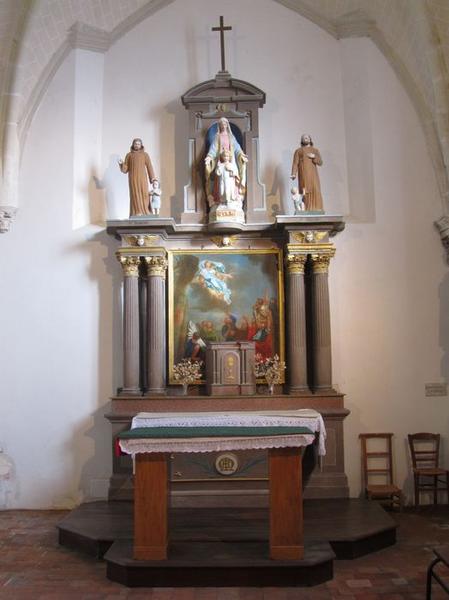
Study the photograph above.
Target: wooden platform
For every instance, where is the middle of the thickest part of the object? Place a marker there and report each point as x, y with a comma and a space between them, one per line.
228, 546
217, 564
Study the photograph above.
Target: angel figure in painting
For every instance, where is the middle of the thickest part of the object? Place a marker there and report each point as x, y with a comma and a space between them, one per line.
224, 140
305, 162
212, 275
138, 165
195, 345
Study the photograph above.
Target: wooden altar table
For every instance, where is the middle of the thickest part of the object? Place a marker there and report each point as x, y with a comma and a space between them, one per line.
151, 446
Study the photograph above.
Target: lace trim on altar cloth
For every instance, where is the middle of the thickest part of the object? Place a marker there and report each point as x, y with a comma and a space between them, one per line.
139, 446
277, 418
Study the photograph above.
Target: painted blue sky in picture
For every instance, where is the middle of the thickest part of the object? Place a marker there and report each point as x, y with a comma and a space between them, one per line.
233, 289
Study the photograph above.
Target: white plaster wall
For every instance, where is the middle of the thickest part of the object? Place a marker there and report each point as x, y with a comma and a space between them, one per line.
60, 351
88, 197
389, 281
55, 351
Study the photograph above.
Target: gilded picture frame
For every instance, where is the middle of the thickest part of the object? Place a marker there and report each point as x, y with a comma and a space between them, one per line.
224, 295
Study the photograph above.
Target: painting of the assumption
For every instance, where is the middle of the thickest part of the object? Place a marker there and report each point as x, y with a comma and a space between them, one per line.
225, 296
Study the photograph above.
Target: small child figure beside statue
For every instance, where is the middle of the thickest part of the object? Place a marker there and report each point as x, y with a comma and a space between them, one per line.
298, 201
155, 198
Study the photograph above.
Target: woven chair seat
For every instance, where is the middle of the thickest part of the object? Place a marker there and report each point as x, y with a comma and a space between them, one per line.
429, 471
383, 489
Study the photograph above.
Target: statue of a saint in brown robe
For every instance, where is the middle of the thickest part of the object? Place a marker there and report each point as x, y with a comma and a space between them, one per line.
305, 162
138, 165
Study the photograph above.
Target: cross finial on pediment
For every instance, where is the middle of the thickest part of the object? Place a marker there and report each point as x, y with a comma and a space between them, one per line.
222, 29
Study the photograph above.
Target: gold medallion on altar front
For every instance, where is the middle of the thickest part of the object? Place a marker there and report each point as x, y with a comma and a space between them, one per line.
227, 464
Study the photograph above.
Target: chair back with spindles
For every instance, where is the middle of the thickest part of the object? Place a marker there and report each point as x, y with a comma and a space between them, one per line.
424, 450
383, 457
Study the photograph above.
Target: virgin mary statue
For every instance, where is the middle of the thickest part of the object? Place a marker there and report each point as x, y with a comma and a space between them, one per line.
224, 141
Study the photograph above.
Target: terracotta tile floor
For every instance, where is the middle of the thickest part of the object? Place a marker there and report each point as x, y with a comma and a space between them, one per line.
33, 566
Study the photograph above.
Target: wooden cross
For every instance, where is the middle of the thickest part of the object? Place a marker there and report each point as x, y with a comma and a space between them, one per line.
222, 29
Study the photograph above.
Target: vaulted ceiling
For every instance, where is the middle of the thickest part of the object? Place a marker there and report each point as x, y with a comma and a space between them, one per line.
35, 35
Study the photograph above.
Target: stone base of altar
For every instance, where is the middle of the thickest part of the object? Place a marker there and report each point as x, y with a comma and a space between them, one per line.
195, 480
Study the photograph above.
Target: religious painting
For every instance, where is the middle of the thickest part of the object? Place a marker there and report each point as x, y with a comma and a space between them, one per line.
224, 296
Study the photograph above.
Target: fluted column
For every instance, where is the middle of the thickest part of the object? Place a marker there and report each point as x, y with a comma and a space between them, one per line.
143, 327
322, 355
296, 323
156, 339
130, 265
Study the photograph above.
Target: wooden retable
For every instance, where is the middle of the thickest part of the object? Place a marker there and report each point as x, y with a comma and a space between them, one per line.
151, 484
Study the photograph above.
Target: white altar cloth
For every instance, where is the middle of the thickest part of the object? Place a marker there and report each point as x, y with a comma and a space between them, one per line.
214, 444
276, 418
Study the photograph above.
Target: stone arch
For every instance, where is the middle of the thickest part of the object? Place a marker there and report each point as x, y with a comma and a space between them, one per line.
96, 29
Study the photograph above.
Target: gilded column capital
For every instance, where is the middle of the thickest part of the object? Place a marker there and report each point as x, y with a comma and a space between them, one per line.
320, 261
295, 263
130, 265
156, 266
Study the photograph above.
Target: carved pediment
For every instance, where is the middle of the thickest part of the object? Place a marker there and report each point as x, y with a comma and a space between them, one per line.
223, 89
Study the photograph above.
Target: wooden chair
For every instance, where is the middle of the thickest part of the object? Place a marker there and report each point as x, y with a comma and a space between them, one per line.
428, 476
442, 557
377, 464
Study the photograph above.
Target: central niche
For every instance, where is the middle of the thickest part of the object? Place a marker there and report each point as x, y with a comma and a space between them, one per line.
238, 102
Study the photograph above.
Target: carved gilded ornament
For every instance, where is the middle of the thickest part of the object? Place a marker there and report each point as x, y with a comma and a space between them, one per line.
156, 266
296, 263
320, 262
141, 241
130, 265
224, 241
309, 237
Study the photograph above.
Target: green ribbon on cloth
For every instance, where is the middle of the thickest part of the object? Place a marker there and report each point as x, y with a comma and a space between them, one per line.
209, 432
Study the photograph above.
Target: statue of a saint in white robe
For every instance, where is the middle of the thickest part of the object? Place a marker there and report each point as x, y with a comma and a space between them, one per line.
224, 140
227, 180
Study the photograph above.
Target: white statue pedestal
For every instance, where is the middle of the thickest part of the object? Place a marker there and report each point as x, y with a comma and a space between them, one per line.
227, 213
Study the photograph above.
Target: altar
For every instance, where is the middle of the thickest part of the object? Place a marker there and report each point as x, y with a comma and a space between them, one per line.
283, 434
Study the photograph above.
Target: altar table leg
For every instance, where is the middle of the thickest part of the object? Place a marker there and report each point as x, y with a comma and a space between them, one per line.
151, 507
286, 514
